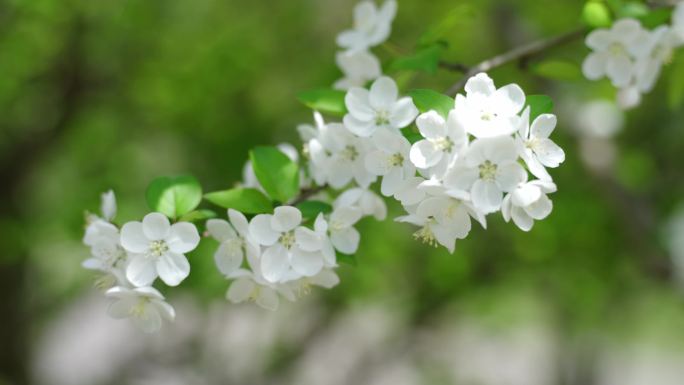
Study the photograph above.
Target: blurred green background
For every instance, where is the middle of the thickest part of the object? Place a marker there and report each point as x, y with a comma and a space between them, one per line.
110, 94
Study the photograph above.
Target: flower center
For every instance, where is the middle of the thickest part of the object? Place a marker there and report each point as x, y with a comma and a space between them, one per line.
488, 116
444, 144
532, 143
425, 234
381, 118
350, 153
138, 311
304, 287
396, 160
158, 248
617, 49
487, 170
287, 239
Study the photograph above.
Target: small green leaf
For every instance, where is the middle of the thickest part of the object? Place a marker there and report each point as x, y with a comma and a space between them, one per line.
245, 200
539, 104
198, 215
596, 14
558, 70
324, 100
411, 135
427, 100
277, 173
311, 209
633, 9
426, 59
174, 196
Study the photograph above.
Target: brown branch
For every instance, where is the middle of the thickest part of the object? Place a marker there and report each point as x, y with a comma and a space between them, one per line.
521, 54
307, 193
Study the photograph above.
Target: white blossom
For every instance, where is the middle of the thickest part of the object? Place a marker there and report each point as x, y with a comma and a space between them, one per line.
390, 160
380, 107
537, 150
145, 306
528, 202
488, 169
337, 157
614, 51
372, 25
661, 44
486, 111
344, 237
368, 202
358, 67
678, 21
235, 241
444, 139
157, 249
287, 245
108, 205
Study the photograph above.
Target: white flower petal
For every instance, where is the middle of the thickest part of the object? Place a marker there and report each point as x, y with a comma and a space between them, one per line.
268, 299
183, 237
306, 263
156, 226
220, 230
346, 240
261, 230
326, 278
357, 101
549, 153
480, 84
486, 196
543, 126
424, 155
403, 112
307, 239
133, 239
286, 218
228, 258
431, 125
383, 93
508, 100
594, 66
141, 270
274, 263
173, 268
239, 221
240, 290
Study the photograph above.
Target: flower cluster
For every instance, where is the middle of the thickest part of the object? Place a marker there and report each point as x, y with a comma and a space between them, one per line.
631, 56
131, 258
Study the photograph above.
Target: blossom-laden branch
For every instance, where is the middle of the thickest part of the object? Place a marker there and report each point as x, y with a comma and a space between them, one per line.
520, 54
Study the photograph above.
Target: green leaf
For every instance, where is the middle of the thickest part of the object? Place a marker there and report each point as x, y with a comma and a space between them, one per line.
656, 17
244, 200
311, 209
174, 196
596, 14
426, 59
675, 97
558, 70
633, 9
198, 215
324, 100
277, 173
427, 100
539, 104
411, 135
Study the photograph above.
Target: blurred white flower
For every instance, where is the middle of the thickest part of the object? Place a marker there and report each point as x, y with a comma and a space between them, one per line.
235, 241
358, 67
528, 202
145, 306
486, 111
108, 205
599, 118
157, 248
372, 25
390, 160
365, 200
380, 107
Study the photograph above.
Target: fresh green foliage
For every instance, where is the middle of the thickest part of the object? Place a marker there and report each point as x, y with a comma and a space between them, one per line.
346, 259
411, 135
277, 173
246, 200
558, 70
311, 209
656, 17
539, 104
174, 196
675, 97
596, 14
425, 59
324, 100
198, 215
426, 100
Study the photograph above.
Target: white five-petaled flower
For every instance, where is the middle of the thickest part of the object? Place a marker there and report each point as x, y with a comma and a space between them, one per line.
537, 150
337, 157
488, 169
486, 111
615, 50
236, 241
390, 160
372, 25
157, 249
365, 200
443, 220
444, 139
145, 306
358, 67
286, 246
661, 44
527, 202
380, 107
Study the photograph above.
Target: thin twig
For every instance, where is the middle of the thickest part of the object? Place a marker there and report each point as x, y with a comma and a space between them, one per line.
307, 193
517, 54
